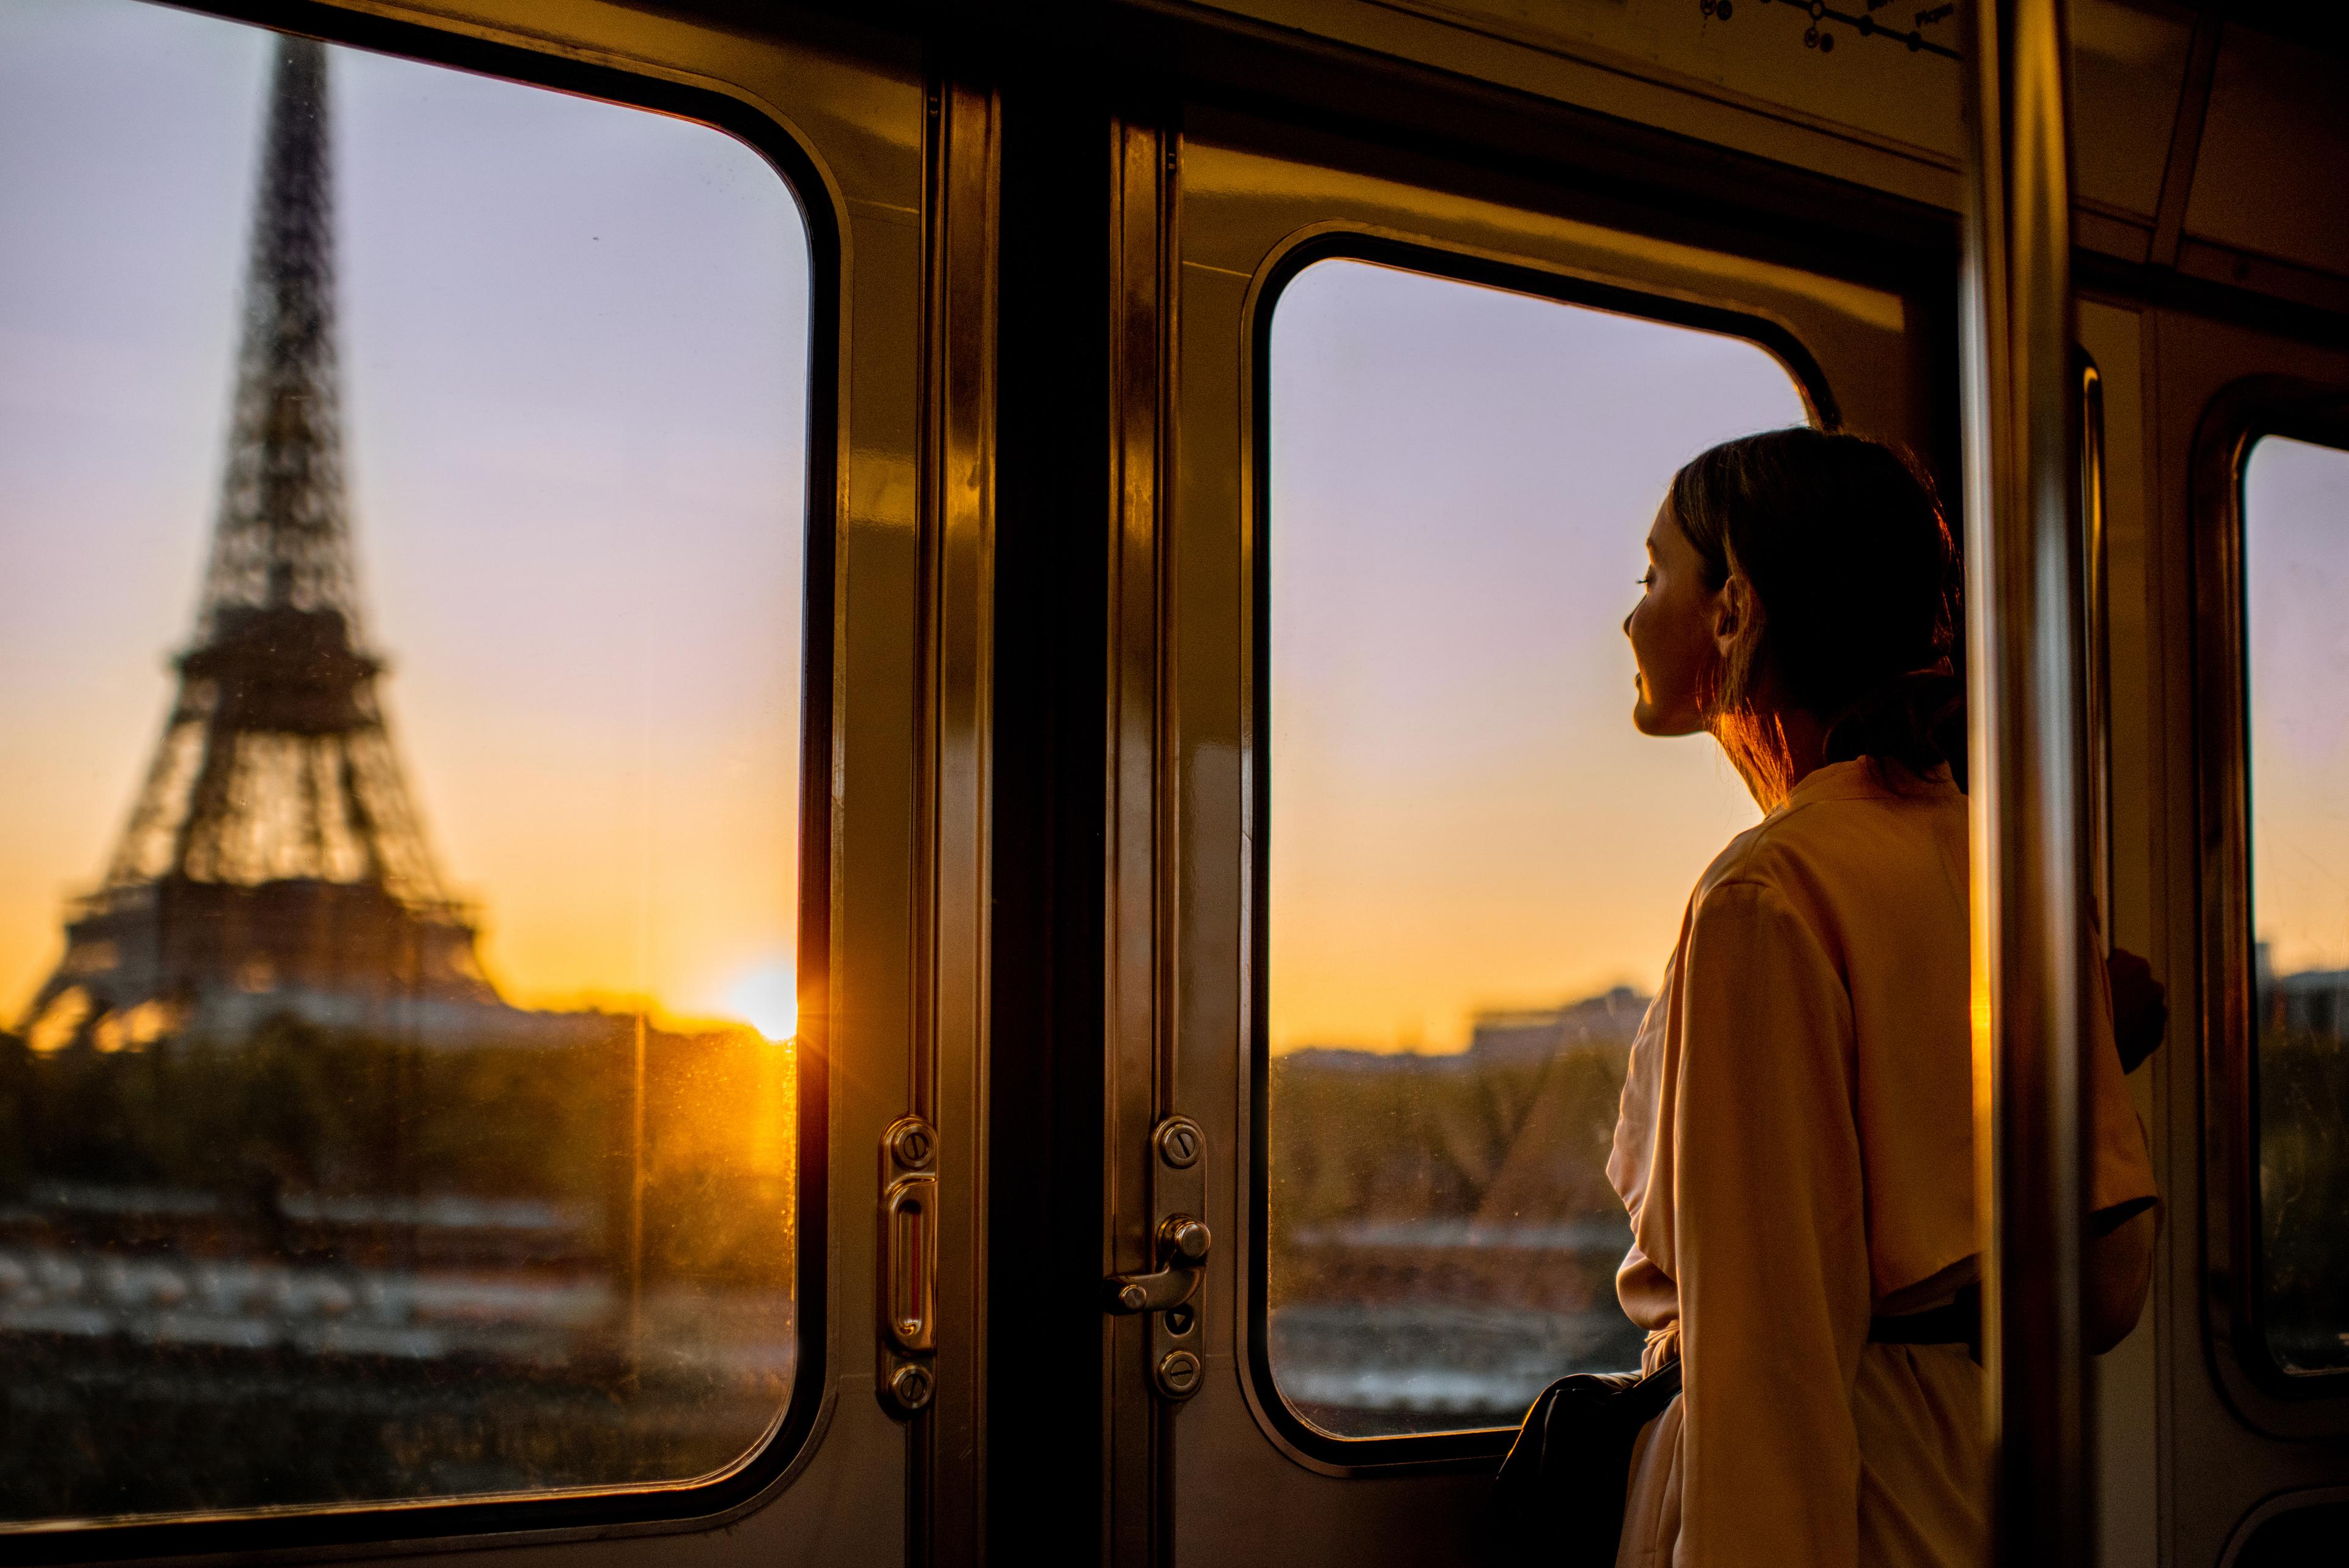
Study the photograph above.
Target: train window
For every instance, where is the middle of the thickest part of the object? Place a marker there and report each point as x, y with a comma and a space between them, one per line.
2296, 577
397, 1090
1475, 867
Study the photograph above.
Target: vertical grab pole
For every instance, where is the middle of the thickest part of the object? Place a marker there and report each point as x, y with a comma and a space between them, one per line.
2028, 763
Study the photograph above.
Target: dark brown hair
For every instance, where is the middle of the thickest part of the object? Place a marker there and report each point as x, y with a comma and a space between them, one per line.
1851, 561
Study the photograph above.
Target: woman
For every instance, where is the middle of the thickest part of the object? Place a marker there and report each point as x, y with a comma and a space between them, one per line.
1795, 1141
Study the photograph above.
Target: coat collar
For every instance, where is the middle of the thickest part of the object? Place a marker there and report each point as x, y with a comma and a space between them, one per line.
1865, 779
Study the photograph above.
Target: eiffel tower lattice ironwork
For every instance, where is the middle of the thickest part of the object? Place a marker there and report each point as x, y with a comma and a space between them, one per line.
274, 861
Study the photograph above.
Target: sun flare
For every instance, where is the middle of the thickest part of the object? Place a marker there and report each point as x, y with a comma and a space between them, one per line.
767, 998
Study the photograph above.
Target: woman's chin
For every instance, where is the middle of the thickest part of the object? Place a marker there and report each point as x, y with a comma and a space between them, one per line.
1649, 719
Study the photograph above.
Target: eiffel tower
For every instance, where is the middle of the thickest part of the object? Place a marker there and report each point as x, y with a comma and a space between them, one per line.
274, 861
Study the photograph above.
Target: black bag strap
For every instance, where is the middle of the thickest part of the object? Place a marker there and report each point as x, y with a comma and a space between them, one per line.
1645, 1400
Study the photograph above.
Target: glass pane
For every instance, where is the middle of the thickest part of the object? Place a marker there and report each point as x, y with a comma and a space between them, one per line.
401, 492
2296, 579
1476, 867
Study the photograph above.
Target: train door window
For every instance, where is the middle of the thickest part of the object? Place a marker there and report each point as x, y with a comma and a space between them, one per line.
2295, 508
1475, 867
397, 1089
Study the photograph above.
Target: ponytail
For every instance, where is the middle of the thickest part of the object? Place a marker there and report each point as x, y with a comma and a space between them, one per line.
1918, 719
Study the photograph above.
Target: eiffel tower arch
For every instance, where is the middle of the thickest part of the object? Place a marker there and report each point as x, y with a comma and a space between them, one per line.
274, 861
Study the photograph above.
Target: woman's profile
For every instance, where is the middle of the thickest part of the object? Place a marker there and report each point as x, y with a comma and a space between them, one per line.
1796, 1145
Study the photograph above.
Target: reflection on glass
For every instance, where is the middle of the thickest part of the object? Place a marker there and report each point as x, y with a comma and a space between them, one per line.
2296, 580
1476, 867
321, 1181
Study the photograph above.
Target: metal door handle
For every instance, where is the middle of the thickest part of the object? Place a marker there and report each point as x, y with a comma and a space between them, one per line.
909, 1268
1183, 1245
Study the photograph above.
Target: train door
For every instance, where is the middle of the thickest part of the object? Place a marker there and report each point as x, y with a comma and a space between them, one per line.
2230, 739
1393, 877
600, 492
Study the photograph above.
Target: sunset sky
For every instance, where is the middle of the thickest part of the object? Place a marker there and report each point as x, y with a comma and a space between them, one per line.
2296, 560
574, 344
1463, 816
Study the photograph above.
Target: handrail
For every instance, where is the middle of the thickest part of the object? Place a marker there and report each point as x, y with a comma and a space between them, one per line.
2029, 806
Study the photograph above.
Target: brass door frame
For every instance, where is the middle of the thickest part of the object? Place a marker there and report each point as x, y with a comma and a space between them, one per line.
948, 1072
1141, 996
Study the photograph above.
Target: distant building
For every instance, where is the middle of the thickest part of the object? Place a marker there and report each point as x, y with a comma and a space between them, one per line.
2314, 1000
1443, 1238
1497, 1037
273, 862
1612, 1018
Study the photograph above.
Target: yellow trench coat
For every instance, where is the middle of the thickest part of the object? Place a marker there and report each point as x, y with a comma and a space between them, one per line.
1795, 1149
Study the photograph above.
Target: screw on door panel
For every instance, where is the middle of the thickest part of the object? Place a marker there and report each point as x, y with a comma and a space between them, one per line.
911, 1385
1180, 1142
1178, 1373
911, 1143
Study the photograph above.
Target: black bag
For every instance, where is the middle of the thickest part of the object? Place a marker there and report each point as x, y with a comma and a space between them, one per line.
1565, 1475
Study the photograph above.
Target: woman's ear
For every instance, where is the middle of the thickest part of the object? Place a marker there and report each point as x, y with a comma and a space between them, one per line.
1736, 614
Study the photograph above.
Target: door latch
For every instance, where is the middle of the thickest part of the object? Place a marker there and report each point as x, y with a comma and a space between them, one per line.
1167, 1297
1183, 1245
909, 1264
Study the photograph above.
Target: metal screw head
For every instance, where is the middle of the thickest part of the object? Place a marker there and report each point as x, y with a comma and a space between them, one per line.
1134, 1298
911, 1385
1178, 1373
911, 1143
1180, 1142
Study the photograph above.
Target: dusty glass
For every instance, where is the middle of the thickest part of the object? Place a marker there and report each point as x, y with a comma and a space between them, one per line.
1475, 867
401, 489
2296, 581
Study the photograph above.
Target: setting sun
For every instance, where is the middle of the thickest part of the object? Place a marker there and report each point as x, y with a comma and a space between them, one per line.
768, 999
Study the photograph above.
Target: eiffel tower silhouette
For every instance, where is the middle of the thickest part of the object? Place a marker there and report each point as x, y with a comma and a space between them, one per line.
274, 861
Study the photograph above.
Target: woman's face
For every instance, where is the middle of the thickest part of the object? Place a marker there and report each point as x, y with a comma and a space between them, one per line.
1674, 632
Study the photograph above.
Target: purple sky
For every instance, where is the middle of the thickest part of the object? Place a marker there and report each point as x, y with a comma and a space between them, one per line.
1463, 816
2296, 562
